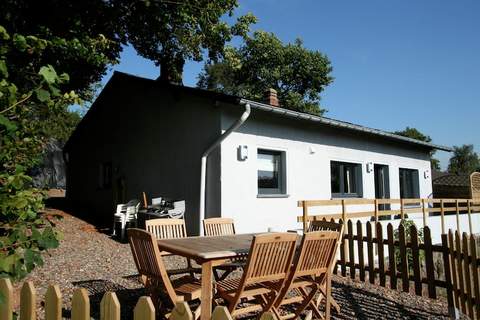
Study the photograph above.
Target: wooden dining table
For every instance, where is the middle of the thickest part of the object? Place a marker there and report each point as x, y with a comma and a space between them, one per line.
208, 252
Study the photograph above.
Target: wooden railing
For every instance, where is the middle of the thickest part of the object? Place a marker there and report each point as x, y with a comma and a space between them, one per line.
109, 306
341, 209
464, 264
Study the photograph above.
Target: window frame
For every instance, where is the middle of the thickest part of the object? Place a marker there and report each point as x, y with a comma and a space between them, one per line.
415, 181
281, 191
358, 167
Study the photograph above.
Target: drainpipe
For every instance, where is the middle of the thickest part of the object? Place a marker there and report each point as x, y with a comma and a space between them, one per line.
203, 170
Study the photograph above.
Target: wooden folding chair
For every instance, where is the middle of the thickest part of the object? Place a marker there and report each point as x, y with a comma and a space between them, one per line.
148, 260
218, 227
311, 270
267, 267
223, 227
325, 225
171, 229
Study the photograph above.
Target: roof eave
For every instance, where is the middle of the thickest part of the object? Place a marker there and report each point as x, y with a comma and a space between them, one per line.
340, 124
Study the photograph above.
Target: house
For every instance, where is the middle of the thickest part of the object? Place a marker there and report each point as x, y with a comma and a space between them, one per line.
143, 135
456, 186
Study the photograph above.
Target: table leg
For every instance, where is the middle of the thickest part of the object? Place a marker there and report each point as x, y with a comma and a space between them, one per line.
207, 290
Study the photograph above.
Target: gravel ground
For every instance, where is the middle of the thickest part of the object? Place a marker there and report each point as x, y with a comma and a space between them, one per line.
91, 259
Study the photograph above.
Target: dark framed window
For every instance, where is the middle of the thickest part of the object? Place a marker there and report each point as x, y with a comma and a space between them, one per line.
346, 179
271, 173
105, 175
409, 183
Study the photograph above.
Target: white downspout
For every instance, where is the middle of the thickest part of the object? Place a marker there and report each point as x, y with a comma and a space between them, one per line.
203, 170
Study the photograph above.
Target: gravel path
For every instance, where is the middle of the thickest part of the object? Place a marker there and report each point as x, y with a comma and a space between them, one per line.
90, 259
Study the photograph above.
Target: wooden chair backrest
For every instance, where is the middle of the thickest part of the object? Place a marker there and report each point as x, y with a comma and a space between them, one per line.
317, 253
166, 228
218, 227
324, 225
270, 257
148, 260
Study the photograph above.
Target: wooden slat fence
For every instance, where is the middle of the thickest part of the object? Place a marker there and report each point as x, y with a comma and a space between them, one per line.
376, 208
405, 258
109, 306
464, 264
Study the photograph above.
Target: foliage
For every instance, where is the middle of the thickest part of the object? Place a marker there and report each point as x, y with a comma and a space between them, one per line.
417, 135
82, 36
299, 75
464, 160
23, 106
171, 32
407, 224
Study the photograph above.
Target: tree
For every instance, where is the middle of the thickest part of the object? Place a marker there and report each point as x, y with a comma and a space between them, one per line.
417, 135
84, 38
464, 160
170, 32
297, 74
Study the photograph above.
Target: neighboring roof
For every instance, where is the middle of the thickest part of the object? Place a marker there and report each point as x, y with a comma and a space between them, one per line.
454, 180
120, 76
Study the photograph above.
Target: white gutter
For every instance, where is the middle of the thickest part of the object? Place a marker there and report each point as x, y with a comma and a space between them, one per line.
203, 170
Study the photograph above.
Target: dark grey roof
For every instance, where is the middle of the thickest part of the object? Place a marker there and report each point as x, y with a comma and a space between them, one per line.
120, 77
341, 124
452, 180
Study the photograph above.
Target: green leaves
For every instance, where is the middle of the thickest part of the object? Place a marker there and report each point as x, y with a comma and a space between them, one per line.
3, 69
42, 95
48, 74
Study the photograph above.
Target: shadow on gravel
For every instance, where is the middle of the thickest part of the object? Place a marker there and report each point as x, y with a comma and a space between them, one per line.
97, 288
361, 304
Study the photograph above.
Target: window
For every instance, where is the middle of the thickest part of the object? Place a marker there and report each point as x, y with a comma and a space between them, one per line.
409, 185
271, 172
105, 175
346, 179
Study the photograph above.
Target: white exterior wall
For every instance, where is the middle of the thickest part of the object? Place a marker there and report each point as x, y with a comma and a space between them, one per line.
308, 174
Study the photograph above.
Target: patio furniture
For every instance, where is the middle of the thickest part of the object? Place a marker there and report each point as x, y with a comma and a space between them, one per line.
223, 227
157, 202
126, 213
178, 210
170, 229
148, 260
218, 227
269, 262
312, 268
208, 252
325, 225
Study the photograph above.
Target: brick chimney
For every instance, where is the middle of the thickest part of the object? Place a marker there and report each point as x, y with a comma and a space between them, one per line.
270, 97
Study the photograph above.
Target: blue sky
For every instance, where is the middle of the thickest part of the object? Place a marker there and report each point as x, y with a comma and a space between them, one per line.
396, 63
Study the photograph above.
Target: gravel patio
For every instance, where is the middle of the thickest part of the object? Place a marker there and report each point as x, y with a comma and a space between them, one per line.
90, 259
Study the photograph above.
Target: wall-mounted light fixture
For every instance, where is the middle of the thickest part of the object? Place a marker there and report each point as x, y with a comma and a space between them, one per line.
242, 153
369, 167
426, 174
311, 150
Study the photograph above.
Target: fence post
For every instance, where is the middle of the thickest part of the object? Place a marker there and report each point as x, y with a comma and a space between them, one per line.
345, 224
458, 247
468, 275
429, 266
469, 213
475, 278
391, 258
181, 312
381, 256
403, 258
442, 215
144, 309
28, 302
221, 313
110, 307
416, 260
371, 263
402, 209
361, 262
448, 275
351, 250
53, 303
424, 211
80, 305
6, 308
305, 216
457, 211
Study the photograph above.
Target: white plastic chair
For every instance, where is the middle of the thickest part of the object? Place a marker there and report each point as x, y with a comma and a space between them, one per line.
157, 201
178, 210
126, 213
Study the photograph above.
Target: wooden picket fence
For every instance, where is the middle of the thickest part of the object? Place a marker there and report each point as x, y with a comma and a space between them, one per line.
352, 256
109, 306
464, 265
